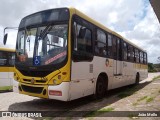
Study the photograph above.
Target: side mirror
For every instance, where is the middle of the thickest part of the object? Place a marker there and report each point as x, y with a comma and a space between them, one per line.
5, 39
6, 35
82, 33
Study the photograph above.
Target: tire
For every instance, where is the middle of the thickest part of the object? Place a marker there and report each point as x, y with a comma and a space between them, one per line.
137, 79
100, 88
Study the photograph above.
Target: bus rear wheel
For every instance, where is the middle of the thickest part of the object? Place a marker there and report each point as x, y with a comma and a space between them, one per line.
137, 79
100, 88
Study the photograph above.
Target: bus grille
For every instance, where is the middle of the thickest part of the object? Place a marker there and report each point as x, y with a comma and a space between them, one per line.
30, 89
36, 81
35, 73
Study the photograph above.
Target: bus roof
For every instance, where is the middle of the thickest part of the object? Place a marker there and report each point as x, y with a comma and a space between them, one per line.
102, 27
7, 49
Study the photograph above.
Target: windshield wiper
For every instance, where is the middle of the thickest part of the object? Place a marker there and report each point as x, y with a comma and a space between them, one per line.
43, 33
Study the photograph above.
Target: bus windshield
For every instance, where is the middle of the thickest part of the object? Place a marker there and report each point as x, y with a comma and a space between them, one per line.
42, 41
43, 45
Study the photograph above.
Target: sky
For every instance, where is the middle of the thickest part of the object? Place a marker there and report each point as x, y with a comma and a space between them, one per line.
133, 19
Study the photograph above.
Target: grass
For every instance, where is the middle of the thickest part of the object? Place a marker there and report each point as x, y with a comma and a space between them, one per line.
142, 98
149, 99
156, 78
5, 88
99, 112
134, 104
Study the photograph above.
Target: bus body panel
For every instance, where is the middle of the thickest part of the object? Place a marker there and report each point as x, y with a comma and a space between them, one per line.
100, 66
82, 81
5, 80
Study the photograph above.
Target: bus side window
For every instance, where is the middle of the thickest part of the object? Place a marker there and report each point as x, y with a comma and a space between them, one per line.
82, 38
119, 49
3, 58
114, 40
138, 56
141, 57
100, 43
134, 55
131, 54
124, 51
128, 53
145, 58
84, 43
109, 52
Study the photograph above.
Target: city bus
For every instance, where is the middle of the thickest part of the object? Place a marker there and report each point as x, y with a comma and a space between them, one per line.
63, 54
7, 57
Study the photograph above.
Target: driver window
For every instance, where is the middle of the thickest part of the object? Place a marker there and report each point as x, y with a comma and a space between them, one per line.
83, 38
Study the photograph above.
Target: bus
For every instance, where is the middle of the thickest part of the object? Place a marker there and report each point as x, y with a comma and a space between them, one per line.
63, 54
7, 57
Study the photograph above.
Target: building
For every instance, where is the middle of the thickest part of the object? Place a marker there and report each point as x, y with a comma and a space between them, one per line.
156, 7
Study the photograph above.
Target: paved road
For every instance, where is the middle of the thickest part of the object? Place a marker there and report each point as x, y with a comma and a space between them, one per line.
16, 102
151, 76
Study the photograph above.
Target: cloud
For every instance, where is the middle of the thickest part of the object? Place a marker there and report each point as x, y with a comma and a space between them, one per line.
146, 34
134, 19
12, 11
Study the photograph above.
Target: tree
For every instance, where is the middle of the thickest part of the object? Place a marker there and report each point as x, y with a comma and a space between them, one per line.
158, 59
151, 67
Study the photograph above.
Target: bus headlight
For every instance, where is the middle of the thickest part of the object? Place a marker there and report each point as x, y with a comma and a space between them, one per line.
56, 80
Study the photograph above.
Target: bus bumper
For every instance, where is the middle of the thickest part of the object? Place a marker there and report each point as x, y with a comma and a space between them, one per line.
59, 92
56, 92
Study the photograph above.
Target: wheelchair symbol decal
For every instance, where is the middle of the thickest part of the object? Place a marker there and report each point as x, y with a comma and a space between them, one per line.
37, 60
